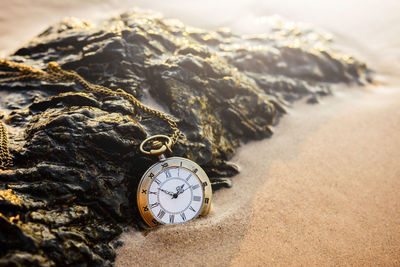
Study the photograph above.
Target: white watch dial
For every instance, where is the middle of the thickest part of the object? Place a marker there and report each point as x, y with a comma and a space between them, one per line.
174, 190
175, 195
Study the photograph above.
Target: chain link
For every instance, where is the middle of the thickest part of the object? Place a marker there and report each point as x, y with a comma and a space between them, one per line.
54, 73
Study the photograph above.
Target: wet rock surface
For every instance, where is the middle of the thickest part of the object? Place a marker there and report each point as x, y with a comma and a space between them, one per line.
76, 158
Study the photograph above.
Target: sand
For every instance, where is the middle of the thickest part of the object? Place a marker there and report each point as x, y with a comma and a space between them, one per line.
331, 198
324, 190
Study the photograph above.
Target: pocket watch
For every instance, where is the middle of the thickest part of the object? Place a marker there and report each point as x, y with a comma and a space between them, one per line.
173, 190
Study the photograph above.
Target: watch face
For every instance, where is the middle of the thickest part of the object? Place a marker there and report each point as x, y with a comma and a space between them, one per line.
173, 191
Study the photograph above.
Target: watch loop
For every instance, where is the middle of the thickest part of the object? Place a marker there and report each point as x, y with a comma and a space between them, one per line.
157, 147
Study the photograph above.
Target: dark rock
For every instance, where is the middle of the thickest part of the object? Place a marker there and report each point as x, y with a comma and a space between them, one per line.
76, 159
314, 99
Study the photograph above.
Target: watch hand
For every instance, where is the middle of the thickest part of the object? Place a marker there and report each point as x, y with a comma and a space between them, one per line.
181, 191
167, 192
178, 191
187, 188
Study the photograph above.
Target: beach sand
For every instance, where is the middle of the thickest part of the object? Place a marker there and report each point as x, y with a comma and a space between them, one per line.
332, 196
324, 190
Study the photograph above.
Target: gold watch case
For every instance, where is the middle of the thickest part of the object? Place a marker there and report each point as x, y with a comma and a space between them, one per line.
154, 170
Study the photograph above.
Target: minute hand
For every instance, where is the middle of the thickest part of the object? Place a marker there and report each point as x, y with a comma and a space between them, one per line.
184, 190
167, 192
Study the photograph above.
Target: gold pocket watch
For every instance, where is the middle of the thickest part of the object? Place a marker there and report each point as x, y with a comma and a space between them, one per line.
173, 190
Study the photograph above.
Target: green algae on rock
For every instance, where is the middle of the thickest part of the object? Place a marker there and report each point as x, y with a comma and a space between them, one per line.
76, 157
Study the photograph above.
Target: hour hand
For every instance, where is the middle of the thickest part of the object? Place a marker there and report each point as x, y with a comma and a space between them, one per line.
167, 192
180, 190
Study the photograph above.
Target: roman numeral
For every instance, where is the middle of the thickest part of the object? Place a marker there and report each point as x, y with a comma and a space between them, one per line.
161, 214
206, 200
187, 179
154, 193
145, 208
180, 166
154, 205
167, 173
196, 198
195, 186
171, 218
144, 191
165, 165
192, 209
183, 216
195, 170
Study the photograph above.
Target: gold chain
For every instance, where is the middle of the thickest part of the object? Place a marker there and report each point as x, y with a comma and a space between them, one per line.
5, 157
54, 73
